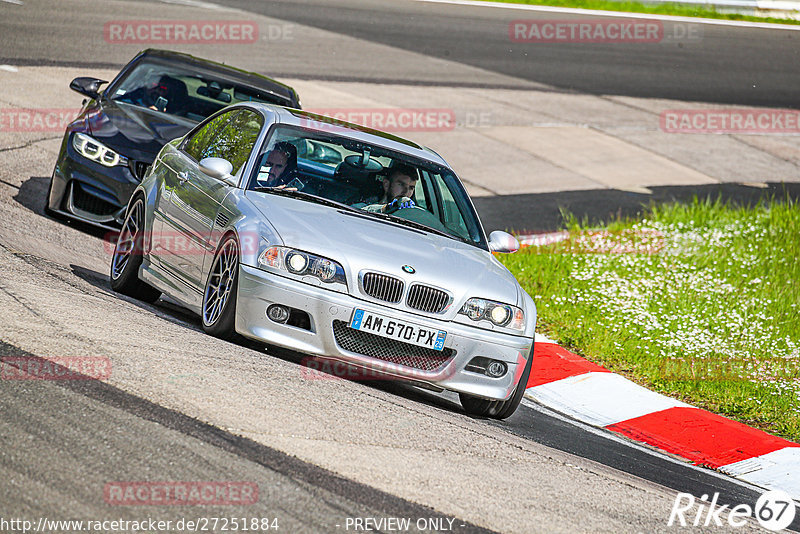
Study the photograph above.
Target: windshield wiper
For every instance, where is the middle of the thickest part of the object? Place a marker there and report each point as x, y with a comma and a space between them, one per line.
293, 193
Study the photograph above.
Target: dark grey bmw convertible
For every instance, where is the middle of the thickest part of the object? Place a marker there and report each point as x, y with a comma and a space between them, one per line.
158, 96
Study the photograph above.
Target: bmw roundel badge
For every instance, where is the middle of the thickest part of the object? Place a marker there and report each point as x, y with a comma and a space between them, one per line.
409, 269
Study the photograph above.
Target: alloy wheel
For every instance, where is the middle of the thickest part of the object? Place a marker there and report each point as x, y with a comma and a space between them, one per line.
129, 240
220, 282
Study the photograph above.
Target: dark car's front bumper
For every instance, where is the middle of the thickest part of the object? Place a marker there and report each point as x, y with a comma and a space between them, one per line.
90, 192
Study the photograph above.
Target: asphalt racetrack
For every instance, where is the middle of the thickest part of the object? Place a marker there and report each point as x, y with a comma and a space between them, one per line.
328, 454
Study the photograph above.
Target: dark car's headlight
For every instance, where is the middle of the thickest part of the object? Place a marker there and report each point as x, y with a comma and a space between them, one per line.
303, 263
91, 148
497, 313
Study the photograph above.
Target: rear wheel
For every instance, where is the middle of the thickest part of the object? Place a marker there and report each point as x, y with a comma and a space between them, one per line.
128, 257
222, 287
498, 409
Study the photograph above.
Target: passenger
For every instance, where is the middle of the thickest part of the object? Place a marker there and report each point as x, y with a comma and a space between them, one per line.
398, 188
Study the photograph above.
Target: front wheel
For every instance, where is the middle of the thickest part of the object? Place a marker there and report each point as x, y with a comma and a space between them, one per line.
222, 288
498, 409
127, 257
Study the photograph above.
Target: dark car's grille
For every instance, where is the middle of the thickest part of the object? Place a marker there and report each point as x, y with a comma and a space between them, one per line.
138, 168
382, 287
427, 299
390, 350
90, 203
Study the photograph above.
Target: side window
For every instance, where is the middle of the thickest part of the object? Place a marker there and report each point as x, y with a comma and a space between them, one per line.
201, 144
238, 138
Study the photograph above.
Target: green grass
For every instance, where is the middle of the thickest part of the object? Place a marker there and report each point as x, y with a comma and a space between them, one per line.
699, 301
681, 10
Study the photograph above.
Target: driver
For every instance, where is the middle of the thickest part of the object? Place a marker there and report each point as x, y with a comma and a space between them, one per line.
398, 188
148, 96
282, 163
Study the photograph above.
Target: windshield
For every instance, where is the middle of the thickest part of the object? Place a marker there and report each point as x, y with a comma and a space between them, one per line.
371, 179
183, 91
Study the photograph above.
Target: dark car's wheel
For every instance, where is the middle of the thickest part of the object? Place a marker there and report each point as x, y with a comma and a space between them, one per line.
128, 257
498, 409
219, 298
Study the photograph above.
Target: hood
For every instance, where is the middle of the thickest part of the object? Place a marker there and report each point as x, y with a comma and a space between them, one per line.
362, 242
136, 132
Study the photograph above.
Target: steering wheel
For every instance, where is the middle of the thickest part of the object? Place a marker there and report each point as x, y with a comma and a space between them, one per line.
422, 216
400, 204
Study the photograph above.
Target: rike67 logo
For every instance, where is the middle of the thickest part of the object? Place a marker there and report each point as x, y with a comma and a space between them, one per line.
775, 510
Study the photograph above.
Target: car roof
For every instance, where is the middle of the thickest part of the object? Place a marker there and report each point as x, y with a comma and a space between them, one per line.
305, 119
235, 74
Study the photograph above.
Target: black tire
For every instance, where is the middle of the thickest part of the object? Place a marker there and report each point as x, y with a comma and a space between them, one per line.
127, 256
498, 409
221, 291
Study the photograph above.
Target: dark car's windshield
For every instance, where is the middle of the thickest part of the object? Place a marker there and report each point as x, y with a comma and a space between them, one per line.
369, 178
184, 91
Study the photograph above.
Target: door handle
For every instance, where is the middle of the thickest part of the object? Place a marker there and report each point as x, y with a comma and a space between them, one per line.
183, 177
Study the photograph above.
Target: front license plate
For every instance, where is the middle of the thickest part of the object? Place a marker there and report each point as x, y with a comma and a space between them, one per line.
413, 334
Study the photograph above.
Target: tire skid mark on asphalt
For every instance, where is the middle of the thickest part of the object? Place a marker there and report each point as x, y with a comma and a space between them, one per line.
59, 272
20, 302
43, 317
52, 269
29, 143
9, 184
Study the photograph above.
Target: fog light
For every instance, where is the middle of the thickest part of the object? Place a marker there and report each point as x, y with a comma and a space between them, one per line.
278, 313
496, 369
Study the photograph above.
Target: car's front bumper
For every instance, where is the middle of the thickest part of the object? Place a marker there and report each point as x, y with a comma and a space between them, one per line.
259, 289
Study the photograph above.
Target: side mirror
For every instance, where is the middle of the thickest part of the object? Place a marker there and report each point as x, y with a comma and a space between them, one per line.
218, 168
87, 86
500, 241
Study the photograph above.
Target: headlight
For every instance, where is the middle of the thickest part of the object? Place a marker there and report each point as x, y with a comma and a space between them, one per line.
497, 313
302, 264
91, 148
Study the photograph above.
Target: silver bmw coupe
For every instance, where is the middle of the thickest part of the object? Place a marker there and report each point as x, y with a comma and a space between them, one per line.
336, 241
